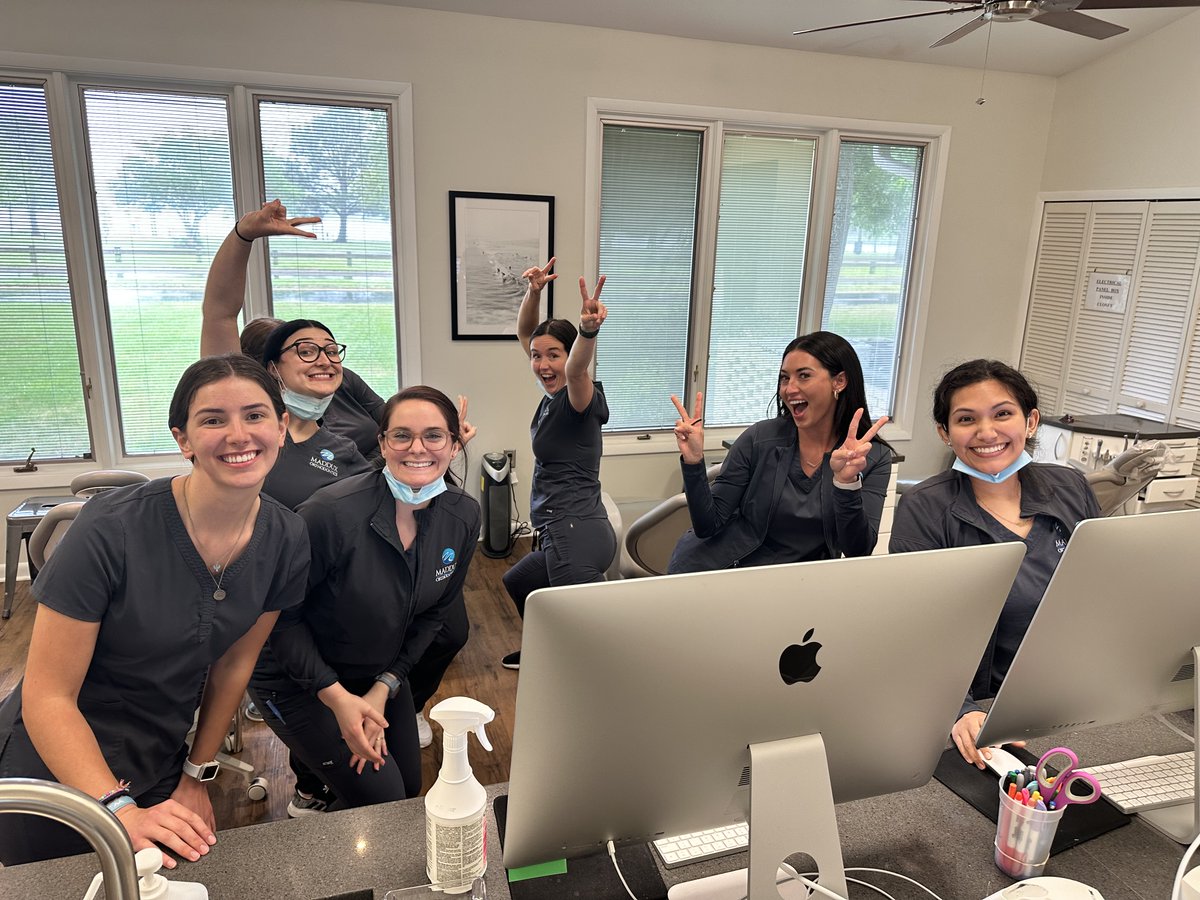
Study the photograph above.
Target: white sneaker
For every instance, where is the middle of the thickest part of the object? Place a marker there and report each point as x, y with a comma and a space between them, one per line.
424, 732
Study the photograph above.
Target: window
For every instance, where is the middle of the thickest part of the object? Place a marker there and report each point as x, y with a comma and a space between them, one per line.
723, 238
114, 197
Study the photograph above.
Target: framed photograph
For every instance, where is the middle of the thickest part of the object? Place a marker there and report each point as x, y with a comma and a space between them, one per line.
493, 239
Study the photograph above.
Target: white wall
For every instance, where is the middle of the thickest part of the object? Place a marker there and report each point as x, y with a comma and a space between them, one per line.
499, 105
1129, 120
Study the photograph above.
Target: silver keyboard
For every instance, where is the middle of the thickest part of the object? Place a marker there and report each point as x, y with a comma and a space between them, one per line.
685, 849
1150, 782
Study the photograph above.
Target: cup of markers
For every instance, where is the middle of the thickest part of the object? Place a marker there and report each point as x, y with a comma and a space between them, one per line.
1025, 830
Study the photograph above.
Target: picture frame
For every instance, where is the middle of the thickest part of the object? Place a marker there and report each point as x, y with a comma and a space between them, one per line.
494, 239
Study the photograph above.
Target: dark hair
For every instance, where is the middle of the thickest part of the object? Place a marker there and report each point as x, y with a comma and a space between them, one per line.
273, 346
429, 395
977, 370
212, 369
836, 356
559, 329
254, 335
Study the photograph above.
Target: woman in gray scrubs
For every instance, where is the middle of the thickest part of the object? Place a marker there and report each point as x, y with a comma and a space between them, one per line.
153, 587
807, 484
986, 412
575, 541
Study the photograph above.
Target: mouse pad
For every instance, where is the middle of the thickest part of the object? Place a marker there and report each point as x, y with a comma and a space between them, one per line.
590, 876
981, 790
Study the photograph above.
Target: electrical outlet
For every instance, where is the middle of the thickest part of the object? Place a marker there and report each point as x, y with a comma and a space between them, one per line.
512, 459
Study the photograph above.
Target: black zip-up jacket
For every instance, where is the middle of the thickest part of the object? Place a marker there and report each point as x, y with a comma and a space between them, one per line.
366, 612
942, 512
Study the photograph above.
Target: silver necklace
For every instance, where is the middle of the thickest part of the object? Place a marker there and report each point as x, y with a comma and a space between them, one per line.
1009, 522
215, 568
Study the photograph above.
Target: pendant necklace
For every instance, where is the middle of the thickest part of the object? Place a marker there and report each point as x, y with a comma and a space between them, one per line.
216, 568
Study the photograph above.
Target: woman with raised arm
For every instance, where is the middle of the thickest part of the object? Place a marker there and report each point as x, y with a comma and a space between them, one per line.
986, 412
157, 592
575, 542
390, 551
807, 484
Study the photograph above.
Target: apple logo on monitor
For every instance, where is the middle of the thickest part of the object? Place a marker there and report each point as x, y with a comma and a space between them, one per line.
798, 662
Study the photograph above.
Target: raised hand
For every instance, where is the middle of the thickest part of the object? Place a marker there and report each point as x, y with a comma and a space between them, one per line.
849, 460
465, 428
273, 219
689, 430
539, 277
593, 313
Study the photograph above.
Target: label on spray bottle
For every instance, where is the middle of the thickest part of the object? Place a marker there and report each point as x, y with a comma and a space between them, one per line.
459, 852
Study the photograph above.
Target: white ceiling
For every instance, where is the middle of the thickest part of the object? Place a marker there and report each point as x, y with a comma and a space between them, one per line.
1015, 47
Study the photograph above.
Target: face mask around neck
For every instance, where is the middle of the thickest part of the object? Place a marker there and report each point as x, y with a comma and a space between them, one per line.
1003, 475
303, 406
407, 495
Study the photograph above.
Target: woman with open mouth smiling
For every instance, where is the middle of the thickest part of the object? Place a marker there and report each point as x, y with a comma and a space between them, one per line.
807, 484
986, 412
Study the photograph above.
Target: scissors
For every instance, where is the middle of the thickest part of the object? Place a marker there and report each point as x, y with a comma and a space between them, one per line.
1070, 785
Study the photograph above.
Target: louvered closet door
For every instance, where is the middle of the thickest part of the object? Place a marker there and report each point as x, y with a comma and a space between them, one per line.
1163, 297
1057, 275
1093, 364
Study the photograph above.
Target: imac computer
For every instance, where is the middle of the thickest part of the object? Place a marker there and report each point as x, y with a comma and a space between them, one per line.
1113, 640
661, 706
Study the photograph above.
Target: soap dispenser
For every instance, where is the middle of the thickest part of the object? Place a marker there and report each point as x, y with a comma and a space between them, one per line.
151, 885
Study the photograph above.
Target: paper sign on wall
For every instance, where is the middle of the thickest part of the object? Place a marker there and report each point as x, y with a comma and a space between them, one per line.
1106, 292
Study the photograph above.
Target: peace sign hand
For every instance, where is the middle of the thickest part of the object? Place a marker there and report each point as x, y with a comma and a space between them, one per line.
465, 429
849, 460
273, 219
689, 430
539, 276
593, 312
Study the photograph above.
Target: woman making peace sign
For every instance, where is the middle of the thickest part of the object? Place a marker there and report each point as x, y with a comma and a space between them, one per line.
808, 484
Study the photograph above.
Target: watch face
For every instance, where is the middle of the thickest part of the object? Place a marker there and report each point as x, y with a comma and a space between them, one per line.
209, 771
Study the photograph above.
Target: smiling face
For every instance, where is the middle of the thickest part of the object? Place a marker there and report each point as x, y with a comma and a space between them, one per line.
233, 434
548, 359
419, 464
318, 378
986, 428
806, 389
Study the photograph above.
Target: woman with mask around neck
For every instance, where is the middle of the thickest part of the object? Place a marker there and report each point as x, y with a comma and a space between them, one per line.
986, 412
807, 484
303, 355
575, 542
390, 553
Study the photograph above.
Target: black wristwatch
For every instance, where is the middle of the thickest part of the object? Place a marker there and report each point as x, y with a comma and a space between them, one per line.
393, 683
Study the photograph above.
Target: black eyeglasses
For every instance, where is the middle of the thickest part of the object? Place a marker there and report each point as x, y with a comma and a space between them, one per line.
402, 439
308, 351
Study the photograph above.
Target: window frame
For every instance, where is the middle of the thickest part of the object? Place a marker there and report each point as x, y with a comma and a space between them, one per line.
64, 79
713, 123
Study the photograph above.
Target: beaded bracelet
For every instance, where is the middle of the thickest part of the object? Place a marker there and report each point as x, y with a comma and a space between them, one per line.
239, 234
121, 788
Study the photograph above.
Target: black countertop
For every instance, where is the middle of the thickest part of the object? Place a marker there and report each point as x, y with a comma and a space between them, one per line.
1118, 425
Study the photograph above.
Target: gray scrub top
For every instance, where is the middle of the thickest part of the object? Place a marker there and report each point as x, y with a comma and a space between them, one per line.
303, 469
797, 530
566, 449
127, 562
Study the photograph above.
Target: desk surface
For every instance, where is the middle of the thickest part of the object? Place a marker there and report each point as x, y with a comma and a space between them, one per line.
927, 834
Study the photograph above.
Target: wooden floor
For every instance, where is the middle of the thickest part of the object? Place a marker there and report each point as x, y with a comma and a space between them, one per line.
476, 672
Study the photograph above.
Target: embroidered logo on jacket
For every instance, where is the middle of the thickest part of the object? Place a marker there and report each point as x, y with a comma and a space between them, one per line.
448, 565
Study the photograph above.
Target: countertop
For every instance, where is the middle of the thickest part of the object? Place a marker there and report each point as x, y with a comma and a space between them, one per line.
1118, 425
928, 834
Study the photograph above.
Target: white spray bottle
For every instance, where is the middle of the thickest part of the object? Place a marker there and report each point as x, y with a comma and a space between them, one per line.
456, 805
151, 885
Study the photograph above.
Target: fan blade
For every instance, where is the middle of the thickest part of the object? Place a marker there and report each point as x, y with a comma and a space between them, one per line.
1078, 23
1135, 4
960, 32
936, 12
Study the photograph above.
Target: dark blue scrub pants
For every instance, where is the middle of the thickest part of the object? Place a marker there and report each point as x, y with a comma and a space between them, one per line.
569, 551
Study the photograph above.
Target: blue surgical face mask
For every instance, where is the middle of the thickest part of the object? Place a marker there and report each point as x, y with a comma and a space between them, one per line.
405, 494
303, 406
1003, 475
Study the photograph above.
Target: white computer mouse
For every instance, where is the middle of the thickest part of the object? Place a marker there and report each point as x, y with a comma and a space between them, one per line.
1047, 887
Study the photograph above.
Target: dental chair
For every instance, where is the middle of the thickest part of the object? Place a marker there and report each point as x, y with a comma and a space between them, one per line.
1124, 476
650, 540
42, 544
100, 480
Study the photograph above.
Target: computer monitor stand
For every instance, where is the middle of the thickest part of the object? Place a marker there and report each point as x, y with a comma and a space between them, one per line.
791, 811
1180, 822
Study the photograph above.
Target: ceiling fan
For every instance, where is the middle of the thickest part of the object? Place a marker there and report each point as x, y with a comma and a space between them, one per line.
1062, 14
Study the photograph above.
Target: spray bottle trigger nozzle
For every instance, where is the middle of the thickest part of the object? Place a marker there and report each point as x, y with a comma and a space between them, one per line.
483, 738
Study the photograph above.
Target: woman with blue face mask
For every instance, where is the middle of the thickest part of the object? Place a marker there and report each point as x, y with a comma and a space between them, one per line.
303, 355
391, 552
986, 412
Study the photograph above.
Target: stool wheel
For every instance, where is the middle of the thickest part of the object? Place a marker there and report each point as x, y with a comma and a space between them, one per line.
257, 789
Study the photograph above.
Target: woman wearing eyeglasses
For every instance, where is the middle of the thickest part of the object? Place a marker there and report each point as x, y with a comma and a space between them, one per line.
390, 553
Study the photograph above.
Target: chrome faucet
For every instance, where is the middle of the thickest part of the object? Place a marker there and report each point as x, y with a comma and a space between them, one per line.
77, 810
